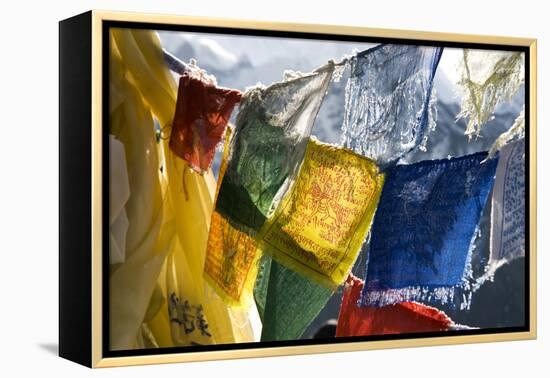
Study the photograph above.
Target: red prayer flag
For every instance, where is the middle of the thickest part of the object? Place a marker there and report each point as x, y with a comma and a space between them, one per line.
202, 114
405, 317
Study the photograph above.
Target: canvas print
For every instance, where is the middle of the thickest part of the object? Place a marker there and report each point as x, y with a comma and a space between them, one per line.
273, 190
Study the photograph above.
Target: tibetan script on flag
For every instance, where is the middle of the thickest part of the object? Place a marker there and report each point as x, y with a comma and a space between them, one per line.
320, 225
508, 205
231, 261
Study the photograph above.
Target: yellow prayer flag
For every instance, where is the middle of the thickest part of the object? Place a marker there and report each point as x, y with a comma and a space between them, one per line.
320, 224
231, 262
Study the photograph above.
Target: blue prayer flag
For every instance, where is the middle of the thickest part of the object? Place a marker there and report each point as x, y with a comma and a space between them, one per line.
424, 228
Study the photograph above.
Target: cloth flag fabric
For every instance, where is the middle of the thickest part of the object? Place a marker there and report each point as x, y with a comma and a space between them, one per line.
487, 79
405, 317
201, 117
508, 206
321, 223
231, 262
119, 193
272, 130
424, 229
287, 301
132, 281
387, 100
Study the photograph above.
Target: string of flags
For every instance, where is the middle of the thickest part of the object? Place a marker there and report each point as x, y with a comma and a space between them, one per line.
292, 214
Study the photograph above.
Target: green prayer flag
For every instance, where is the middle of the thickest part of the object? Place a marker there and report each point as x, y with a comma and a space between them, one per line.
271, 135
287, 301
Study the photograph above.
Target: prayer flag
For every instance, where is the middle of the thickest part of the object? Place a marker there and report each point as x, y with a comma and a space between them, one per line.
387, 100
424, 229
200, 120
287, 301
405, 317
508, 206
321, 223
231, 262
487, 79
